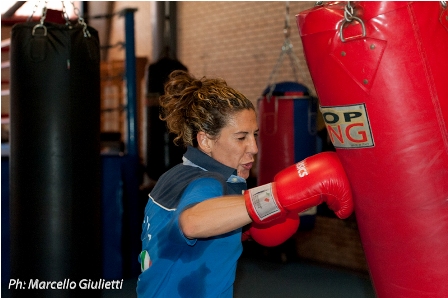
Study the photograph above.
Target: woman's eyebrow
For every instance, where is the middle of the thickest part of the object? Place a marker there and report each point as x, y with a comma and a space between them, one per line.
245, 132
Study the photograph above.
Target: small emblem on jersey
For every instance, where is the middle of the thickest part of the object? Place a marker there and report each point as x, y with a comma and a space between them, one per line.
145, 260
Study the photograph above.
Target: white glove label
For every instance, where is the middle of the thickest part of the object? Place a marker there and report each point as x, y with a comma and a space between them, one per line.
263, 201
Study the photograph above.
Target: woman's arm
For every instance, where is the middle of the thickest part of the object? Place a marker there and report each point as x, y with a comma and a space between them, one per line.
214, 217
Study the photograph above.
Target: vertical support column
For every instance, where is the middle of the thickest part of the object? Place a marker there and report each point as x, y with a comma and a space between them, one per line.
131, 164
131, 84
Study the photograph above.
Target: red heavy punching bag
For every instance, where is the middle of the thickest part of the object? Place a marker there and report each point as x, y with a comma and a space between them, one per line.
380, 72
287, 121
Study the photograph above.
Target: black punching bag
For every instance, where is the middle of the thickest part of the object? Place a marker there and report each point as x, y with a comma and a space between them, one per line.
162, 154
55, 159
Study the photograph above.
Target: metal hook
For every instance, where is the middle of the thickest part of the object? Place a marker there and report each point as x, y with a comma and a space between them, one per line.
356, 19
348, 18
39, 26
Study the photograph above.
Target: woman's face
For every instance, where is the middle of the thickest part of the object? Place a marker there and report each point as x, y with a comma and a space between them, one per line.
236, 145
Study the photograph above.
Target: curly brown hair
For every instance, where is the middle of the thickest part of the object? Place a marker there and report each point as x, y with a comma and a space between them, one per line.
191, 105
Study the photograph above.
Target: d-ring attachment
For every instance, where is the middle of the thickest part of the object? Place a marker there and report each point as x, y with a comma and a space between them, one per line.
352, 18
40, 26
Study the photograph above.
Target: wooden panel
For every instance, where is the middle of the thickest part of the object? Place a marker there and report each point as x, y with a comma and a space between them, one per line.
332, 241
113, 98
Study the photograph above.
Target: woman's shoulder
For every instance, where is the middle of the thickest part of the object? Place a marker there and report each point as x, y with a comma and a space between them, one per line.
171, 185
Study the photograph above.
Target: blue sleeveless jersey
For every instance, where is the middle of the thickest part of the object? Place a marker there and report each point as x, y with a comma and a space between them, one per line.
174, 265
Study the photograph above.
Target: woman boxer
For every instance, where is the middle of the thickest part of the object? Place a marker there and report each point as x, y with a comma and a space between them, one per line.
191, 236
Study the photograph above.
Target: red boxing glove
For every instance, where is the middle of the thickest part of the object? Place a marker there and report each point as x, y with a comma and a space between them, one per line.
316, 179
245, 233
275, 232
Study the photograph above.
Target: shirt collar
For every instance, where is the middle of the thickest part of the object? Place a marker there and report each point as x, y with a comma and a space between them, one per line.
202, 160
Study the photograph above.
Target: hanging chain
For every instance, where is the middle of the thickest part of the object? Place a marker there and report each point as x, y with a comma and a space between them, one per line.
443, 3
44, 13
34, 10
65, 15
349, 16
42, 18
286, 49
348, 12
80, 20
287, 29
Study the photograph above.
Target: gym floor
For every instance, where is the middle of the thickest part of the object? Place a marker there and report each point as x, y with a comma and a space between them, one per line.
272, 277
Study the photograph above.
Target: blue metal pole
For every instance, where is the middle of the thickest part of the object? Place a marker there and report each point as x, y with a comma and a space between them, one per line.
131, 82
130, 165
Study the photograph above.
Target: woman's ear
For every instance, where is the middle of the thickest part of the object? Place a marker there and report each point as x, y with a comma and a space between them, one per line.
204, 142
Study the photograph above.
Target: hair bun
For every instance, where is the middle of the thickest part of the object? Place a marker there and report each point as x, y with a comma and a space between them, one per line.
197, 84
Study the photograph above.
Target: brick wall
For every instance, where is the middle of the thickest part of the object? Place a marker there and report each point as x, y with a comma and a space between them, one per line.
333, 241
239, 41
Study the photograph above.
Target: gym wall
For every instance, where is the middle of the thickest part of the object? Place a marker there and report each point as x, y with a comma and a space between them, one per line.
239, 41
